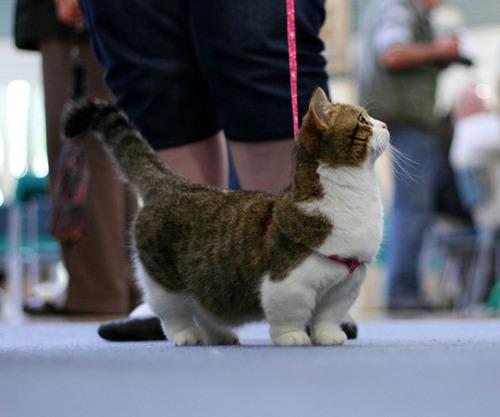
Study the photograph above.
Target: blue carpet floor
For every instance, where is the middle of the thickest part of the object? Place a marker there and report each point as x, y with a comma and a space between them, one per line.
396, 368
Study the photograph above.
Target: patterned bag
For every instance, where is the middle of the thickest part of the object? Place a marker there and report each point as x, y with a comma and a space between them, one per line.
70, 193
72, 174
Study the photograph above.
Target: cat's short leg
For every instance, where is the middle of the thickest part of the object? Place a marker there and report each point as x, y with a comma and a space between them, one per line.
176, 315
288, 305
333, 307
215, 334
175, 310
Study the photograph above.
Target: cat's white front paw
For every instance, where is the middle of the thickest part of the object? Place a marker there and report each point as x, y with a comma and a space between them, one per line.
188, 337
329, 336
295, 338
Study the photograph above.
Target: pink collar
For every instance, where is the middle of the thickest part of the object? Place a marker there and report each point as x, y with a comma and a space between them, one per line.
351, 263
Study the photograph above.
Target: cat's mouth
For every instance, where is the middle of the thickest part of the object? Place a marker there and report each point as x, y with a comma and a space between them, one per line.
380, 139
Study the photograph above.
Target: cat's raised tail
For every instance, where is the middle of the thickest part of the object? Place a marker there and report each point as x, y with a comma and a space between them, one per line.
136, 160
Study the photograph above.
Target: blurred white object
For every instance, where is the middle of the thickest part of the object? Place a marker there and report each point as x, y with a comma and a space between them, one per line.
467, 47
476, 147
476, 141
142, 310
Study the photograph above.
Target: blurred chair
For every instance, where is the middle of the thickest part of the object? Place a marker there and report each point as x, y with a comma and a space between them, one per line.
457, 248
473, 184
471, 256
28, 245
474, 188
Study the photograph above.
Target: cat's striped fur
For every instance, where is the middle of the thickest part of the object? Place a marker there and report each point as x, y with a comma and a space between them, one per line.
208, 258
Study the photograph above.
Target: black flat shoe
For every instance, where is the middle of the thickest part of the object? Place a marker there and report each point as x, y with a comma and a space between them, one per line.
132, 329
350, 329
411, 304
36, 307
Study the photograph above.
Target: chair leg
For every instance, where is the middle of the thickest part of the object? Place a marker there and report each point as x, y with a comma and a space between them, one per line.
497, 256
483, 268
451, 285
14, 301
32, 234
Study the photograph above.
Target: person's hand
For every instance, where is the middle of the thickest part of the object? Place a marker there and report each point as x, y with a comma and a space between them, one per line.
68, 12
447, 49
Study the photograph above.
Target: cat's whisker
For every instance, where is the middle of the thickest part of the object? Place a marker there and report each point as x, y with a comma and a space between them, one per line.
368, 108
367, 102
407, 162
402, 161
403, 172
400, 168
402, 155
403, 165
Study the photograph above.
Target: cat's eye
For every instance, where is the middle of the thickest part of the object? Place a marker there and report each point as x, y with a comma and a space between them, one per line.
362, 119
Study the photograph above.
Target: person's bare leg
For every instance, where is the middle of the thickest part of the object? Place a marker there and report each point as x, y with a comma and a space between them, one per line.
203, 162
265, 166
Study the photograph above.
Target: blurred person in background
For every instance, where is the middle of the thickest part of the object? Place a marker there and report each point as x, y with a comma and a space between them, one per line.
399, 64
100, 278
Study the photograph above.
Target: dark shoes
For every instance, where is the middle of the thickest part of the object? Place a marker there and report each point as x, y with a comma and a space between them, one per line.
350, 329
133, 329
408, 303
37, 307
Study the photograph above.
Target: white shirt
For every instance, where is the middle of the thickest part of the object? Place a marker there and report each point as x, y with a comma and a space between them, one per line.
476, 145
476, 141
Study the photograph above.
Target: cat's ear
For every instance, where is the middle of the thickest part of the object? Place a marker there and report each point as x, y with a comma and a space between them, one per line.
318, 109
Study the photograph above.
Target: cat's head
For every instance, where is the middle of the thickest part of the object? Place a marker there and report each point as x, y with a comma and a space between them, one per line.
341, 134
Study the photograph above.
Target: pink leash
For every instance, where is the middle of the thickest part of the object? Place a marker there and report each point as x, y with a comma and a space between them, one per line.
351, 264
292, 62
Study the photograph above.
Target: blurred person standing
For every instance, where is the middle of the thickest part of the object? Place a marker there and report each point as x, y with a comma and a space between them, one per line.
198, 75
475, 149
100, 278
398, 68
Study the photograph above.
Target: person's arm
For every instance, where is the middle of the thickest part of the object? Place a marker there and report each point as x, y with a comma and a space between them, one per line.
396, 47
411, 55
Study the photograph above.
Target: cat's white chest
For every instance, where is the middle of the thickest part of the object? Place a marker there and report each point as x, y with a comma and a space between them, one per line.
352, 202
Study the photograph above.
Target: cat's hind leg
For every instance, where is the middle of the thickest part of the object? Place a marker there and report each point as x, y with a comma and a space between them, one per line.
215, 333
333, 307
175, 310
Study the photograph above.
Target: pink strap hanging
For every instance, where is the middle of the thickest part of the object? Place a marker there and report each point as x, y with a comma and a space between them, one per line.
292, 62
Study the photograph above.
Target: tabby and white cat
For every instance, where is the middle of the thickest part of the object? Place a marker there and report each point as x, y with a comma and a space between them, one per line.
208, 258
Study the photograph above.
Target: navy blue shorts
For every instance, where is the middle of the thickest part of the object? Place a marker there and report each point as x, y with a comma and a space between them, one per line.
184, 69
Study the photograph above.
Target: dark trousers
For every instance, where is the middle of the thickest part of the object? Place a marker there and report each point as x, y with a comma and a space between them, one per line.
100, 277
412, 210
184, 69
